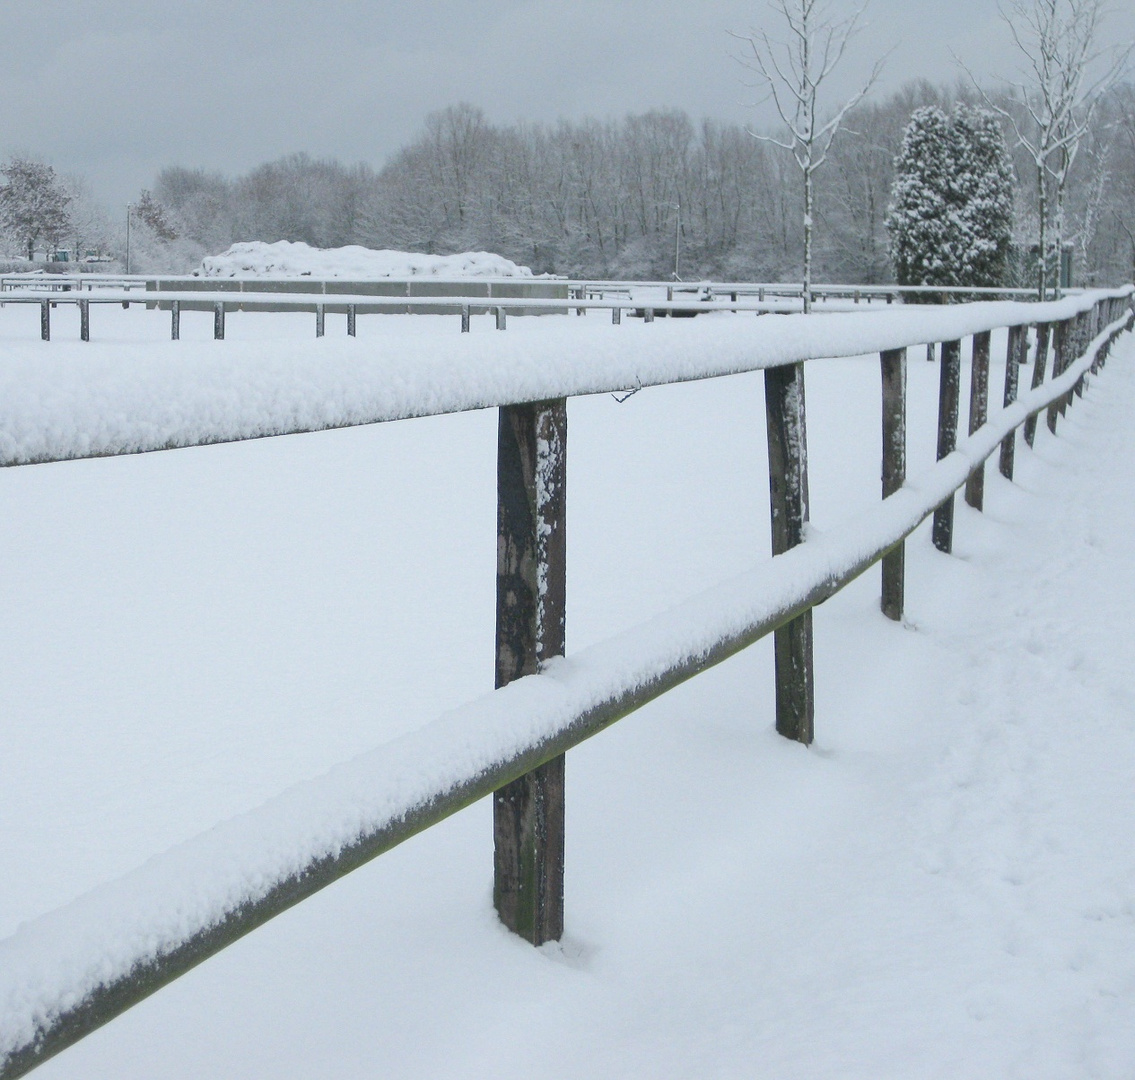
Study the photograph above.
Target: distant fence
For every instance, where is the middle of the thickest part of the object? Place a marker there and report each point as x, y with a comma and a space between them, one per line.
67, 973
432, 296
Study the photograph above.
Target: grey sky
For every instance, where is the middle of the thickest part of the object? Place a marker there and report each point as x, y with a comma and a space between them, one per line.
117, 90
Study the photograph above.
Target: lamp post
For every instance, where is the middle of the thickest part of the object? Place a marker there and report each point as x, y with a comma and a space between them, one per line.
677, 239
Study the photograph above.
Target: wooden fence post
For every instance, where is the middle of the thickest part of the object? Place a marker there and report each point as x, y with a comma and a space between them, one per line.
528, 814
1084, 334
320, 325
949, 381
501, 321
1014, 357
352, 324
616, 316
45, 320
1061, 333
893, 364
84, 320
786, 423
1043, 332
219, 320
464, 318
175, 320
978, 411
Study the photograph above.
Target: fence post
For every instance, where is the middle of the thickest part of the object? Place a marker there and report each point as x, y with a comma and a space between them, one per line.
319, 320
1043, 332
351, 317
219, 320
949, 380
528, 814
1014, 356
893, 364
84, 320
175, 320
45, 320
464, 318
785, 419
1060, 346
978, 411
616, 316
500, 318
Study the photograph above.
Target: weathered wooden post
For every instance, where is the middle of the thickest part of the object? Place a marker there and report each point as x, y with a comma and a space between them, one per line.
528, 814
1014, 357
893, 364
464, 318
978, 411
616, 316
320, 325
786, 423
1043, 332
352, 324
648, 314
45, 320
1061, 334
84, 320
500, 318
1084, 334
175, 320
219, 320
949, 382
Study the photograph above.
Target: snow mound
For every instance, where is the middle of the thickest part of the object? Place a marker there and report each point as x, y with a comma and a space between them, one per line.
256, 259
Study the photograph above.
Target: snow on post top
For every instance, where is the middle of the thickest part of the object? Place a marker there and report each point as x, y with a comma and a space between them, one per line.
256, 259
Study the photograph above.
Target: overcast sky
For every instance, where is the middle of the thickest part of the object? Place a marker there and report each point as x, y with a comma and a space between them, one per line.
117, 90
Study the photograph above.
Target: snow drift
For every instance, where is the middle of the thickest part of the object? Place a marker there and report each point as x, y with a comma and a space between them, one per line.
286, 259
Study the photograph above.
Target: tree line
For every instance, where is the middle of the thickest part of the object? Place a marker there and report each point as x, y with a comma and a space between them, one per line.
646, 196
656, 195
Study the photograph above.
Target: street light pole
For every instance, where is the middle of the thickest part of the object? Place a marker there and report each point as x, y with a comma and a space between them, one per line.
129, 208
677, 240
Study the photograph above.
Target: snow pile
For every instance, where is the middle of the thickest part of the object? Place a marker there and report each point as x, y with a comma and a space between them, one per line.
284, 259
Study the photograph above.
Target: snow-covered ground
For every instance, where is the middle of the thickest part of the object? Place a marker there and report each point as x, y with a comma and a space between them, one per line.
940, 886
286, 258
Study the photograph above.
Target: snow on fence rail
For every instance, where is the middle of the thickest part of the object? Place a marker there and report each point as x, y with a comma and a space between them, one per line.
70, 971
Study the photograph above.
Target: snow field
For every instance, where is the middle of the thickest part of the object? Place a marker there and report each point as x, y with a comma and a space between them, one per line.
693, 832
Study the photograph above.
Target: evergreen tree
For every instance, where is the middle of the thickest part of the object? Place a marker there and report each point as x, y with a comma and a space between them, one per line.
33, 204
951, 213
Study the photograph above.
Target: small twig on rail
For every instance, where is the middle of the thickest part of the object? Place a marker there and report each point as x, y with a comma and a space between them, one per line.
629, 393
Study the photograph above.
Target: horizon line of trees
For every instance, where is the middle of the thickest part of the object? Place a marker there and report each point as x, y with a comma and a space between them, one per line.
647, 196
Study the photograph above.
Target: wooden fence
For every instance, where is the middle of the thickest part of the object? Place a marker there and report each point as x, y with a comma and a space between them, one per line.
566, 707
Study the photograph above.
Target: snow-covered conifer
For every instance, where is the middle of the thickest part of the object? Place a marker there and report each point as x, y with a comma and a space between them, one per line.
950, 218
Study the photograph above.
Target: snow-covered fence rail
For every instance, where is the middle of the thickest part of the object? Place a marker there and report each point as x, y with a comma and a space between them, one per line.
67, 972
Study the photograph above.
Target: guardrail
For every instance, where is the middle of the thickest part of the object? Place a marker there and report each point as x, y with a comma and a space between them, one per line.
67, 973
43, 281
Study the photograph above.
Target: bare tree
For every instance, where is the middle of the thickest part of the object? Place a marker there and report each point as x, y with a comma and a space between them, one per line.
793, 70
1066, 73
